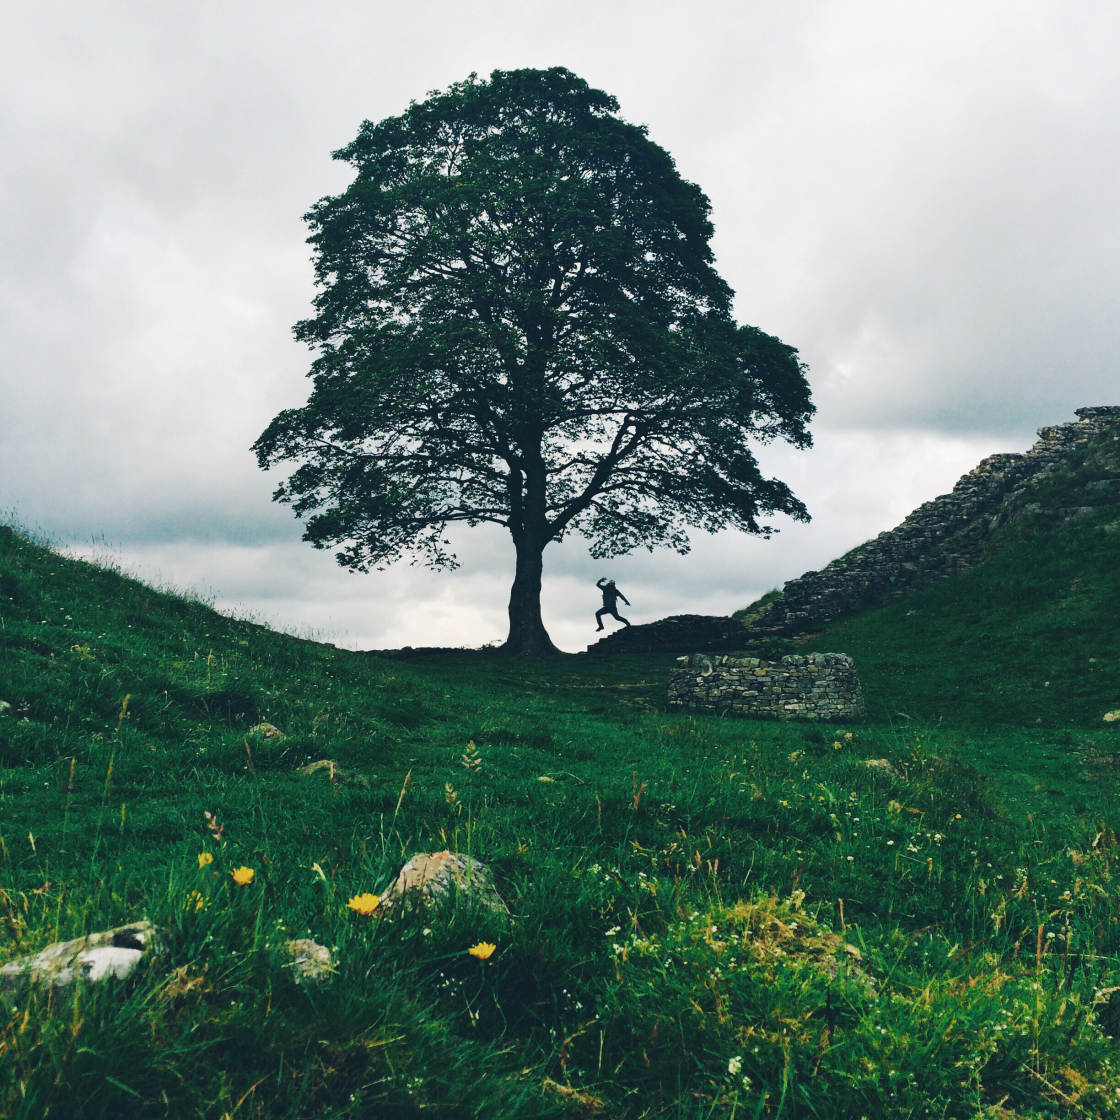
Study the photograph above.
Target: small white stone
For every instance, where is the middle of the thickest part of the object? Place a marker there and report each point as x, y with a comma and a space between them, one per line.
108, 960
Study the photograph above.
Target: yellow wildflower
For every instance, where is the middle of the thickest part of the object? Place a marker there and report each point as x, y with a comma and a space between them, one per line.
364, 904
204, 859
483, 950
243, 876
195, 901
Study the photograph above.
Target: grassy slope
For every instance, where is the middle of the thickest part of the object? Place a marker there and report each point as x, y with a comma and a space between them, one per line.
1027, 637
712, 918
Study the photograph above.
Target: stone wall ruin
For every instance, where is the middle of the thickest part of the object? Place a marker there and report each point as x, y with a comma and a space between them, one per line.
942, 537
814, 686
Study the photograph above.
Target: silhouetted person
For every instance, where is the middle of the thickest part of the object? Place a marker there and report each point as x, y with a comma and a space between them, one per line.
611, 596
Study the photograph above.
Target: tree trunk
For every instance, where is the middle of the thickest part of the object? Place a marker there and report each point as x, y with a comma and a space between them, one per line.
527, 635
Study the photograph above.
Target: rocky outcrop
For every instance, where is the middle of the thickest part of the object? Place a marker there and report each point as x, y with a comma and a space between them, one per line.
310, 962
111, 954
679, 632
445, 878
944, 536
813, 686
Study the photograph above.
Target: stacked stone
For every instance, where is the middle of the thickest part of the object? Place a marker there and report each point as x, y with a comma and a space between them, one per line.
939, 539
815, 686
1056, 440
1057, 445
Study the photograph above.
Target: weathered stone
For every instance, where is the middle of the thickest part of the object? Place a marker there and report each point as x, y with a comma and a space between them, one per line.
334, 773
883, 767
808, 686
443, 877
310, 961
267, 731
113, 953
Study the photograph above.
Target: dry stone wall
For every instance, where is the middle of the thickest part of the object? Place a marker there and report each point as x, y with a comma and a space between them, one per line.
940, 538
814, 686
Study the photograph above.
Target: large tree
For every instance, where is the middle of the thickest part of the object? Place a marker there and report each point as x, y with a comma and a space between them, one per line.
518, 321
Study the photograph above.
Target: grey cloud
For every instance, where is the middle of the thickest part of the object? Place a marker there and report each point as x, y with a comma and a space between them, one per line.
919, 198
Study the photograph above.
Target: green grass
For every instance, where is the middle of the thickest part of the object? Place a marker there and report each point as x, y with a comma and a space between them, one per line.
711, 918
1029, 636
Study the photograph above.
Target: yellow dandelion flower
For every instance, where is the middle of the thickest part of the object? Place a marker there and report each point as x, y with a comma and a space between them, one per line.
483, 950
243, 876
205, 859
364, 904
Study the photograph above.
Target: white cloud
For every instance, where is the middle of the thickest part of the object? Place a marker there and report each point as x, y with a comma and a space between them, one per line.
918, 197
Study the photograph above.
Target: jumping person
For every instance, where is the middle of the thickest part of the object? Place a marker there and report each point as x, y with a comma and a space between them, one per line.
611, 596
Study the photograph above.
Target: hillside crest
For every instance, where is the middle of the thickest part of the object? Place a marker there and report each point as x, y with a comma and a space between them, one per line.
940, 539
943, 537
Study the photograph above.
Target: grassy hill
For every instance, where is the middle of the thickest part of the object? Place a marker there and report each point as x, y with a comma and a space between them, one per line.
1030, 635
1027, 636
711, 918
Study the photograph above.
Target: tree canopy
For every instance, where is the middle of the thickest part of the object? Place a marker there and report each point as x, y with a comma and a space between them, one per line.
518, 322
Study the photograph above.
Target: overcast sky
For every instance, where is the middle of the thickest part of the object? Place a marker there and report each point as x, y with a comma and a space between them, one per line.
921, 198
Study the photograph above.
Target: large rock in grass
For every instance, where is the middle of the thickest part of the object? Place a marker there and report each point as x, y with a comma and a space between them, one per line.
111, 954
445, 878
310, 962
268, 731
676, 634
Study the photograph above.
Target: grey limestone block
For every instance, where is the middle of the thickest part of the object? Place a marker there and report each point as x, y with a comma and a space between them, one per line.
443, 877
109, 954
